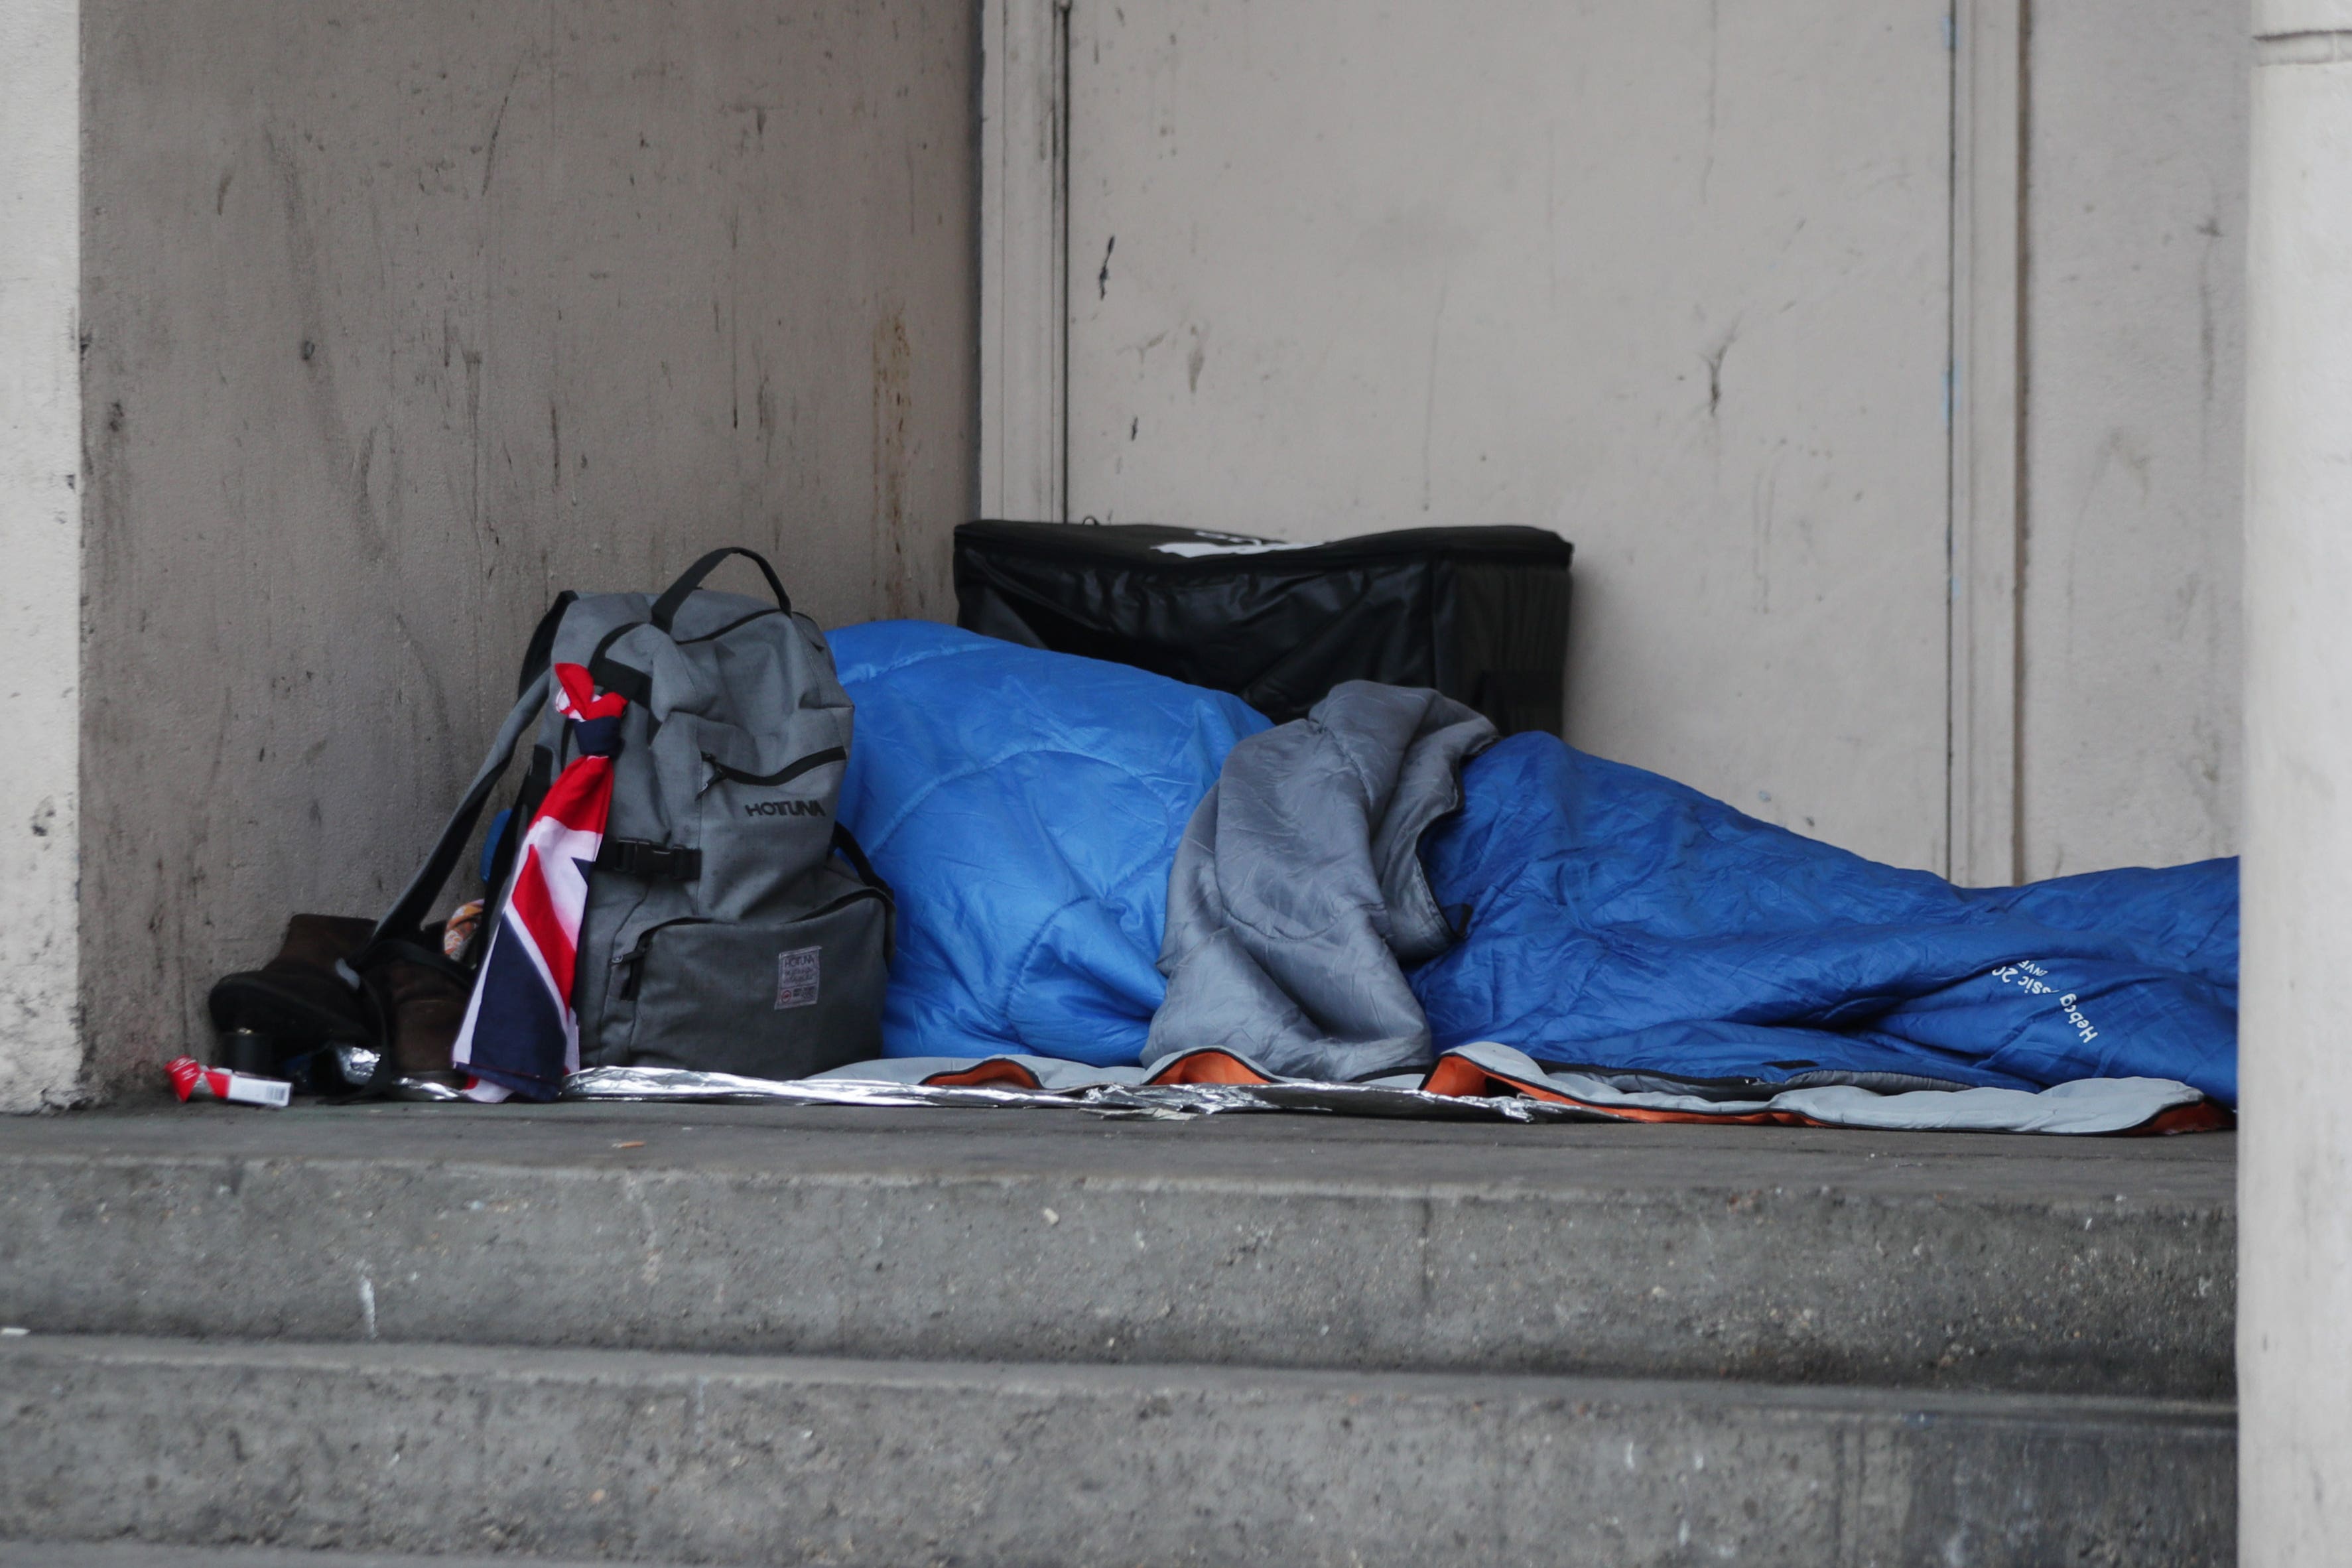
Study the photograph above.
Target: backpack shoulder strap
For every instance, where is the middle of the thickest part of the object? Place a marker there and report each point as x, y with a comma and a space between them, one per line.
399, 936
846, 845
541, 650
403, 923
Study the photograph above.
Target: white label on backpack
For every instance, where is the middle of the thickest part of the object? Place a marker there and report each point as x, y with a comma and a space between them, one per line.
796, 978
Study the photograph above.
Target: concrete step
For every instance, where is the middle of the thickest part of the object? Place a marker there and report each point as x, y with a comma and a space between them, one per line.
135, 1554
785, 1460
2084, 1266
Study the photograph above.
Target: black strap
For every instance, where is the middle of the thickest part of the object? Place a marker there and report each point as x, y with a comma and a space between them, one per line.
537, 777
540, 652
403, 924
400, 935
611, 675
666, 607
642, 858
846, 844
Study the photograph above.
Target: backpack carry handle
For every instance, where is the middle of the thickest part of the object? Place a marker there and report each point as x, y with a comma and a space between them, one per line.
666, 607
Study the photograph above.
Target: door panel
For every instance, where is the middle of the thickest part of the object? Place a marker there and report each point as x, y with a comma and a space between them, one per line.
1671, 279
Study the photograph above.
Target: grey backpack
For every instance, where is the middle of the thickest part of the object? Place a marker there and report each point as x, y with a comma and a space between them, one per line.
731, 924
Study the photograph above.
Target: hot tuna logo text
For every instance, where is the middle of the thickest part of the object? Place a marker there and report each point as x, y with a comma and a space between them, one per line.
785, 808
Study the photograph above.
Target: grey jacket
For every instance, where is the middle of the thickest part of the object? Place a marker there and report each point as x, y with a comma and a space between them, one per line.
1297, 898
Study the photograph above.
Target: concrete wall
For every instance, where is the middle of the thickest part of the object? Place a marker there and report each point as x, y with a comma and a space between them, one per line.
40, 542
1671, 279
2135, 246
1666, 280
399, 318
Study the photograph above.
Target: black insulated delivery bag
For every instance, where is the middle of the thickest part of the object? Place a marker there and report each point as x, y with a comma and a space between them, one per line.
1479, 614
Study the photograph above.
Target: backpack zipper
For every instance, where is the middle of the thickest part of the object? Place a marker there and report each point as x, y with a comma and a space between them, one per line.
634, 960
782, 776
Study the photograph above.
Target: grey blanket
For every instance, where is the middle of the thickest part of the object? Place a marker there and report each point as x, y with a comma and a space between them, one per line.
1298, 898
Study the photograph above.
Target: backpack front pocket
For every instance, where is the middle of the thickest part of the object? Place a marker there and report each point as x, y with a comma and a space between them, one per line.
761, 833
772, 999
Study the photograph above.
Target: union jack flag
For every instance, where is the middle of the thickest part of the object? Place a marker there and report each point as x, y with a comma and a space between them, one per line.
520, 1035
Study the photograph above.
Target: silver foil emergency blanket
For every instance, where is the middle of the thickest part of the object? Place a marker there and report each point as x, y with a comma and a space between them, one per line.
1489, 1082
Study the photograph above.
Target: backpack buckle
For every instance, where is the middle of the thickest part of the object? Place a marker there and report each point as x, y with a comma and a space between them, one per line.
639, 858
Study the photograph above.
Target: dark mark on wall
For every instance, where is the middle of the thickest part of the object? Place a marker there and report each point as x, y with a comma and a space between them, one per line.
304, 292
898, 595
472, 360
309, 349
734, 320
497, 123
2211, 230
1715, 370
1102, 278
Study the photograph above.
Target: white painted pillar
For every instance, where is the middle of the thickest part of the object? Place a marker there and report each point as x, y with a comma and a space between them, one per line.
40, 551
2295, 1298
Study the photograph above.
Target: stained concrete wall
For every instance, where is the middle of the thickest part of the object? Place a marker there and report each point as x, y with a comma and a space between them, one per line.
399, 319
40, 544
1311, 296
1671, 279
2133, 354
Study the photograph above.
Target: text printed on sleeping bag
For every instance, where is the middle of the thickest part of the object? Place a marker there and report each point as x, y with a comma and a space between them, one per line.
2034, 980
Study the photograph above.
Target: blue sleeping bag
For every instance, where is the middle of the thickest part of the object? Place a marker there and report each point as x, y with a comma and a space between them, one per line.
1619, 920
1026, 806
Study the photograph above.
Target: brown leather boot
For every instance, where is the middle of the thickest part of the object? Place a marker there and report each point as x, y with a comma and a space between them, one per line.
427, 1007
299, 1001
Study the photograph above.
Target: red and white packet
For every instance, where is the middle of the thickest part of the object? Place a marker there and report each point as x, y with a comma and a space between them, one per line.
197, 1081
